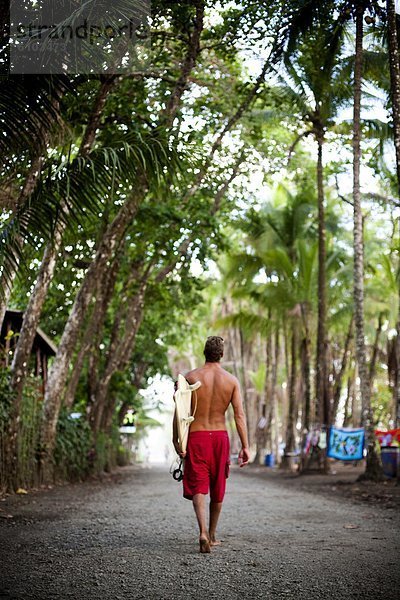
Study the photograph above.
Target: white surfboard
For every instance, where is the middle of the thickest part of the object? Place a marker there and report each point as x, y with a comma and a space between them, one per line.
183, 403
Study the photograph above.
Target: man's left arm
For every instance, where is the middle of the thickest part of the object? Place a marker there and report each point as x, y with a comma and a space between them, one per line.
175, 433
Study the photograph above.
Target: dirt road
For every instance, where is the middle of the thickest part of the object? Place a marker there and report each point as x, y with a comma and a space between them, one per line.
133, 536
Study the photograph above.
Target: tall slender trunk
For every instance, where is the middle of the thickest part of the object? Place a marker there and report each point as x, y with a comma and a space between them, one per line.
374, 356
274, 399
245, 393
355, 400
322, 408
347, 405
285, 395
264, 408
373, 470
358, 223
305, 367
305, 354
339, 379
293, 408
394, 63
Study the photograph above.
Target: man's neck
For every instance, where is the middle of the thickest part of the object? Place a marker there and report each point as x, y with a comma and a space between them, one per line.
212, 364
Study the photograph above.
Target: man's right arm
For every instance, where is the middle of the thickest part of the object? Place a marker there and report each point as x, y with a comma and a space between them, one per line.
240, 420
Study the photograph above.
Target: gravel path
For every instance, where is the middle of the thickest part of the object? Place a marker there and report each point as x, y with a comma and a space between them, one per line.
133, 536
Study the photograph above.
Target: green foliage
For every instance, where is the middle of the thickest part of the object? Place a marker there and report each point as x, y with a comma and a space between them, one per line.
29, 427
73, 444
107, 450
5, 397
382, 402
226, 227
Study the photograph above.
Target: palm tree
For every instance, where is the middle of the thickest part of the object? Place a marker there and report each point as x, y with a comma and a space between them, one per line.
373, 469
279, 248
318, 91
303, 24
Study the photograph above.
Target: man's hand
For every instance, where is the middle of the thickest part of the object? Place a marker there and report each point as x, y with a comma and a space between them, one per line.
178, 451
244, 457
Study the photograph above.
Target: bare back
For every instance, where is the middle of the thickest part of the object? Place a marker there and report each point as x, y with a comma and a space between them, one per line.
217, 391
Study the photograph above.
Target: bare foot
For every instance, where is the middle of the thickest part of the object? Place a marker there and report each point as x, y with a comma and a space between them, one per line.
204, 545
213, 541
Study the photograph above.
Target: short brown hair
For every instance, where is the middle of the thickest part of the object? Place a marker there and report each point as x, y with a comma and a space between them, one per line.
214, 348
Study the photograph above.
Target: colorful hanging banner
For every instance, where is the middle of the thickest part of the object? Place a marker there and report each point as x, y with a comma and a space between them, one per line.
388, 438
346, 443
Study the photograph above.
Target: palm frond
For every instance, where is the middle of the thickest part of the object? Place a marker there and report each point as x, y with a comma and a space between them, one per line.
68, 191
28, 108
250, 323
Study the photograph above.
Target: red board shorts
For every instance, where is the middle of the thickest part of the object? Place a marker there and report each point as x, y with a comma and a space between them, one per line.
206, 464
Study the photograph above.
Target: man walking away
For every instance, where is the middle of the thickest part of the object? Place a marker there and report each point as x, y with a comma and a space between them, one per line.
207, 455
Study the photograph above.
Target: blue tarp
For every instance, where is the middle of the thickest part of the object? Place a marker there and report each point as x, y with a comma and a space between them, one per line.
346, 443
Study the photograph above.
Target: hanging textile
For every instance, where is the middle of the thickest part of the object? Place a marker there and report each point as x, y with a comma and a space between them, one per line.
315, 441
388, 438
346, 443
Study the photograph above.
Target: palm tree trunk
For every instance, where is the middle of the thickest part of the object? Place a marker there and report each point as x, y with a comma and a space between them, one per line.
264, 408
306, 384
347, 413
322, 408
375, 350
343, 366
245, 394
373, 470
290, 445
274, 399
305, 367
394, 62
355, 400
358, 224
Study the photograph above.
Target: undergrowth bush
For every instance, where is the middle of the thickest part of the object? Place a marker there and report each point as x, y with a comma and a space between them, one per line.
5, 406
29, 432
107, 450
76, 455
73, 445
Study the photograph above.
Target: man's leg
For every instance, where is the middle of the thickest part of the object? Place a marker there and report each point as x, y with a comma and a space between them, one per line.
199, 505
215, 511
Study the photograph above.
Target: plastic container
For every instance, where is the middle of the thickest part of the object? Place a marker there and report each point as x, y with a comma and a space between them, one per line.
269, 460
390, 456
